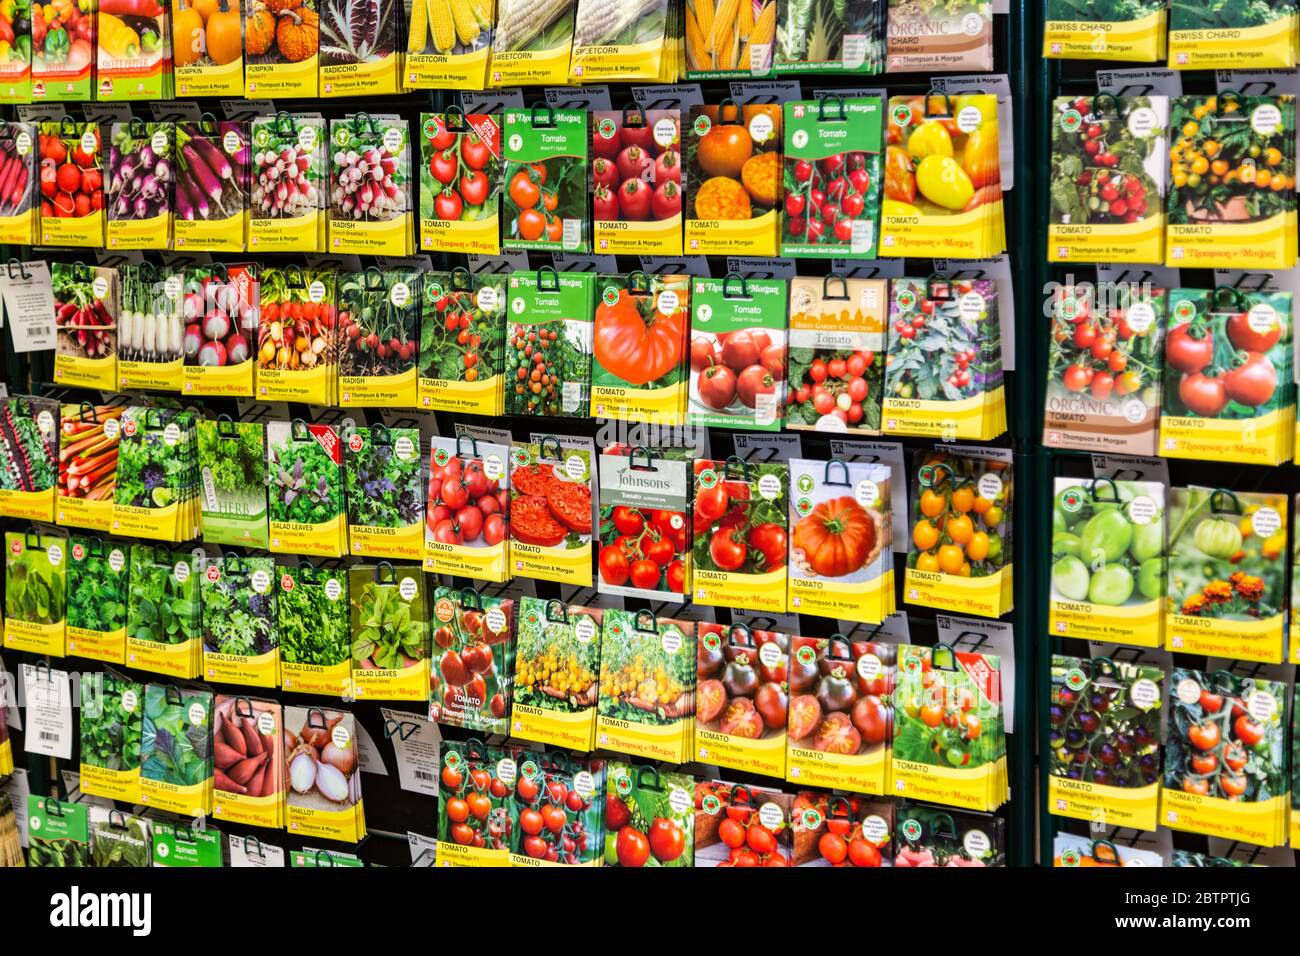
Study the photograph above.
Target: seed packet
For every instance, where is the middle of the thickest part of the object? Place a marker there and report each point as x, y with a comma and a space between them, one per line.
960, 557
233, 473
943, 179
738, 557
473, 814
831, 829
1104, 370
475, 642
85, 318
282, 47
1239, 210
118, 839
841, 565
949, 742
549, 343
448, 52
822, 38
29, 456
557, 665
1070, 850
636, 179
739, 825
555, 818
385, 493
1105, 741
176, 769
1260, 37
643, 519
58, 833
20, 168
625, 42
1241, 723
305, 490
531, 45
240, 645
324, 795
370, 186
460, 180
1109, 175
1228, 390
72, 184
551, 511
1101, 30
741, 698
648, 813
138, 197
733, 179
379, 318
943, 377
312, 628
97, 596
359, 48
88, 449
461, 342
62, 61
178, 846
150, 328
134, 52
207, 49
934, 836
36, 581
646, 706
726, 42
390, 632
468, 500
287, 194
297, 360
157, 490
545, 176
638, 368
248, 758
1108, 566
212, 186
832, 158
939, 39
220, 311
164, 620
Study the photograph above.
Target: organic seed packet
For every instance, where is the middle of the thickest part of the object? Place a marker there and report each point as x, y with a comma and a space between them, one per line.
949, 744
98, 575
646, 706
134, 53
1242, 723
555, 816
532, 44
36, 580
180, 846
741, 699
475, 797
164, 620
637, 181
939, 39
461, 348
840, 713
960, 557
156, 494
943, 186
29, 457
545, 177
1226, 577
282, 63
379, 316
248, 758
935, 836
176, 770
390, 632
140, 216
733, 179
312, 626
468, 500
58, 833
820, 38
738, 340
648, 813
20, 168
240, 645
643, 517
384, 492
639, 348
726, 41
297, 335
71, 209
1232, 199
150, 328
118, 839
551, 511
739, 514
1102, 30
557, 665
1105, 741
111, 727
961, 395
1105, 368
1070, 850
622, 41
61, 71
832, 158
233, 474
1108, 565
213, 161
305, 490
88, 449
548, 343
85, 319
1109, 175
323, 798
460, 180
359, 51
448, 52
831, 829
220, 311
739, 825
287, 194
474, 638
1228, 389
1257, 37
370, 185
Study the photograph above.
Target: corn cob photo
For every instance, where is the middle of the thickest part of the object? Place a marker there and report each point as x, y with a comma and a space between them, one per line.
603, 22
523, 22
448, 26
723, 36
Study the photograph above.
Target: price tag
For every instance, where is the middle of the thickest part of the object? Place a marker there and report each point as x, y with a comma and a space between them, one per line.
777, 446
49, 712
29, 303
579, 97
424, 849
250, 852
1141, 82
415, 742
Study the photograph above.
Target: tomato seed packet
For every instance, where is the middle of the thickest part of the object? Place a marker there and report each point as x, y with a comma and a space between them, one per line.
557, 666
739, 520
472, 681
548, 343
551, 510
468, 501
637, 182
643, 521
462, 334
460, 182
733, 179
545, 176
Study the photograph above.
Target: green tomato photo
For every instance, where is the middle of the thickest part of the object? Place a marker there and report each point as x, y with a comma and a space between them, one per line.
1148, 541
1107, 535
1151, 578
1065, 543
1111, 585
1070, 577
1217, 538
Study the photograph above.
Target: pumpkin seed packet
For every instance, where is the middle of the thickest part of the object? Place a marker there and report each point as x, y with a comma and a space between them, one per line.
97, 596
531, 45
370, 185
725, 41
1259, 36
1129, 30
474, 638
359, 56
646, 706
176, 769
637, 182
557, 667
305, 490
448, 52
36, 580
240, 644
233, 473
638, 370
649, 816
551, 485
111, 728
164, 620
385, 493
545, 176
379, 314
390, 632
821, 37
460, 181
738, 342
118, 839
462, 335
58, 833
282, 63
733, 179
938, 836
29, 457
549, 343
312, 626
1226, 580
287, 194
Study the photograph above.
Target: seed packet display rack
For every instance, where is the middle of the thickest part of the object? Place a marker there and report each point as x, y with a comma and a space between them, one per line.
392, 811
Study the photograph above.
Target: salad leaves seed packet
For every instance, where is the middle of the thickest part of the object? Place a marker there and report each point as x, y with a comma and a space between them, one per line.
390, 632
36, 581
233, 473
385, 493
29, 457
164, 622
112, 716
305, 491
176, 769
240, 644
98, 575
312, 626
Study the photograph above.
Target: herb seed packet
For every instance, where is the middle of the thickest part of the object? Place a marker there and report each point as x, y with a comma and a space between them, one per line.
545, 177
88, 451
249, 764
638, 370
233, 471
468, 500
239, 618
385, 493
313, 630
36, 580
85, 318
474, 681
305, 471
112, 720
462, 335
557, 667
176, 771
551, 511
29, 457
549, 343
390, 632
164, 622
98, 575
646, 706
287, 195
